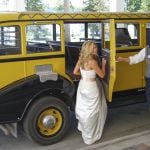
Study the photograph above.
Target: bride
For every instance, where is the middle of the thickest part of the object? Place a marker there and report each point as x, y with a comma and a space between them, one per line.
91, 107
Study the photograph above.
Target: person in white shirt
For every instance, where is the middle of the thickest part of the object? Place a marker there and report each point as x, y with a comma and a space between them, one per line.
143, 54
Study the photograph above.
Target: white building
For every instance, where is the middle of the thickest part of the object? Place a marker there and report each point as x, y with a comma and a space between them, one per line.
116, 5
12, 5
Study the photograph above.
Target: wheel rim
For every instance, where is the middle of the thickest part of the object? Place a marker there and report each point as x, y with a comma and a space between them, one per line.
50, 122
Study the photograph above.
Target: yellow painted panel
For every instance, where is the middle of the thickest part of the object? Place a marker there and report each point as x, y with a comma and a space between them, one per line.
11, 72
58, 65
128, 76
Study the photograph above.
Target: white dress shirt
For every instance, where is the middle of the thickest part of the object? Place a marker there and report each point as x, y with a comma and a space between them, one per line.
140, 56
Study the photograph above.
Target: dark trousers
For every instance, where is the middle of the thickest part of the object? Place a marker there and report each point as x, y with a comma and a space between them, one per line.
147, 90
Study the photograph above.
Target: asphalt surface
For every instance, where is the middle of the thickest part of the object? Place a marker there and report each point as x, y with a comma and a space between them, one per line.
124, 128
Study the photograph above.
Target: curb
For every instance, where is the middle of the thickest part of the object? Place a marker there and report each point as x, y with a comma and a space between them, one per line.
115, 141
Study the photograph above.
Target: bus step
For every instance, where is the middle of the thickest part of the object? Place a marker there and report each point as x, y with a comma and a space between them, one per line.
137, 96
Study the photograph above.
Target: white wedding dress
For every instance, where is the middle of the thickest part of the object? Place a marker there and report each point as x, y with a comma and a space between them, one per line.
91, 107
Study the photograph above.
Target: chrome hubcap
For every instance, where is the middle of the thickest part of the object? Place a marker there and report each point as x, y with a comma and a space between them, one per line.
49, 121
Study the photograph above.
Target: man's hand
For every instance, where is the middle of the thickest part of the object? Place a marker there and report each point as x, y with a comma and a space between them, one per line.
122, 59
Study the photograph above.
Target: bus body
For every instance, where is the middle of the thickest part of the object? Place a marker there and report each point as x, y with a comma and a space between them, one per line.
38, 52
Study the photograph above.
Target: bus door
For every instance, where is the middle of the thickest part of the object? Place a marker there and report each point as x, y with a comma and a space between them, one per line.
109, 52
148, 33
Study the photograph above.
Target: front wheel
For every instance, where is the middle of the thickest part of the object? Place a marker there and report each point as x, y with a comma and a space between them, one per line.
47, 120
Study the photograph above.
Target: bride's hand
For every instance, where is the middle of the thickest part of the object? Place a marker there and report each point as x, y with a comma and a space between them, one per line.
103, 61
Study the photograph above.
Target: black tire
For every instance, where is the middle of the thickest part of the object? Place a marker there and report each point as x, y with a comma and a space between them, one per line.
43, 108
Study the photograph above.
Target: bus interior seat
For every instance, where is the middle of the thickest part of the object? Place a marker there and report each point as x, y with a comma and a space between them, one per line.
9, 50
123, 37
38, 47
72, 54
55, 45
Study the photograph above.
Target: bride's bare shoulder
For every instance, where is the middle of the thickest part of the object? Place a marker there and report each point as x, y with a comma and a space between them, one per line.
92, 62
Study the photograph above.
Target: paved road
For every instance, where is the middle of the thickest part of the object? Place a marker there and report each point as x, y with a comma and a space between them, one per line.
123, 125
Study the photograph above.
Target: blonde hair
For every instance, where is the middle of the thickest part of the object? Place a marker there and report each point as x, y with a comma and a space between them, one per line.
86, 53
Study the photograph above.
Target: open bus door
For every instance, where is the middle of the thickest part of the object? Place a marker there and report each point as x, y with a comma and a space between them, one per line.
109, 52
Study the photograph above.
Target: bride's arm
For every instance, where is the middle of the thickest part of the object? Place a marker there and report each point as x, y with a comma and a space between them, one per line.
76, 70
99, 71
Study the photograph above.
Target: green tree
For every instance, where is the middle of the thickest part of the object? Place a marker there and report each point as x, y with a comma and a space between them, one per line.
137, 5
34, 5
145, 6
94, 5
133, 5
60, 5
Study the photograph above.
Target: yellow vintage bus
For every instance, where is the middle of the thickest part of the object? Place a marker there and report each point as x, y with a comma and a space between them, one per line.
38, 52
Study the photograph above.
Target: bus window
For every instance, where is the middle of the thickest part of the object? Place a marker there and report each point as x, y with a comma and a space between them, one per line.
94, 30
106, 36
106, 49
43, 38
76, 32
80, 32
10, 40
148, 34
127, 34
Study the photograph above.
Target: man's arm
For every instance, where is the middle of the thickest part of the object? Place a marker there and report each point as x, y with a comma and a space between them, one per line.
125, 59
140, 56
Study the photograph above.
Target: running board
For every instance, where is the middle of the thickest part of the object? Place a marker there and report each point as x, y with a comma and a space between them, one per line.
10, 128
127, 98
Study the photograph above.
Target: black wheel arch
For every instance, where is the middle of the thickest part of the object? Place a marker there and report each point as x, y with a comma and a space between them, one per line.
57, 93
17, 97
